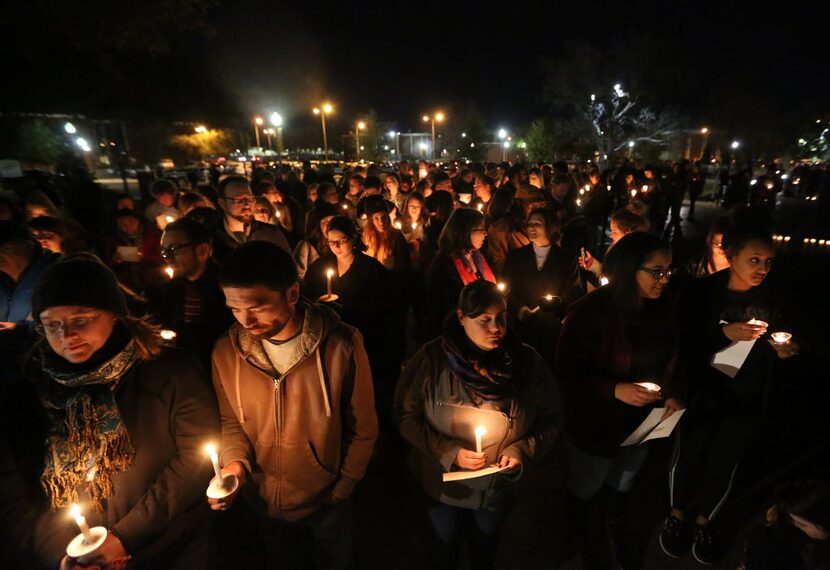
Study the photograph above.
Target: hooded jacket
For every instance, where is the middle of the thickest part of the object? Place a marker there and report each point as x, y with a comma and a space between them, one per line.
306, 435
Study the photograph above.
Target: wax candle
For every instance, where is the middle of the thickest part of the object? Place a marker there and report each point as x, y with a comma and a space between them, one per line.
329, 275
480, 431
214, 458
781, 337
75, 511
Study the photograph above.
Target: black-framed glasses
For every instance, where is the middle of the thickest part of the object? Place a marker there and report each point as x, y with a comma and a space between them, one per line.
55, 328
659, 274
173, 250
337, 242
244, 201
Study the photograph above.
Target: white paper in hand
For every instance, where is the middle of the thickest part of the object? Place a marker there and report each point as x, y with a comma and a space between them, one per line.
730, 359
462, 475
653, 428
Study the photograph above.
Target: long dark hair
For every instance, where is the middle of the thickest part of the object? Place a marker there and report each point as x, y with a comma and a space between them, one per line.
455, 237
621, 266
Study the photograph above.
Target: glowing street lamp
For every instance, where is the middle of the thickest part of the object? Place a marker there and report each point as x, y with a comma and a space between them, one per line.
276, 120
258, 122
436, 118
735, 145
201, 129
323, 110
268, 133
70, 128
360, 126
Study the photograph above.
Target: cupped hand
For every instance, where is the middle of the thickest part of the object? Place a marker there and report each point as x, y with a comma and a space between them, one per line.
743, 331
635, 395
234, 468
784, 349
467, 459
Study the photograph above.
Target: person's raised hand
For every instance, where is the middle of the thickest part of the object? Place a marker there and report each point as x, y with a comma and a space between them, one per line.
509, 463
784, 349
7, 326
111, 555
635, 395
234, 468
467, 459
743, 331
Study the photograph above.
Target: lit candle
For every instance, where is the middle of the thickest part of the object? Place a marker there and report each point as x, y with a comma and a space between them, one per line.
170, 219
587, 188
501, 287
581, 191
75, 511
756, 322
603, 281
548, 297
214, 458
633, 193
168, 334
644, 188
578, 202
398, 225
480, 431
329, 275
650, 386
414, 226
480, 207
345, 207
279, 214
169, 271
781, 337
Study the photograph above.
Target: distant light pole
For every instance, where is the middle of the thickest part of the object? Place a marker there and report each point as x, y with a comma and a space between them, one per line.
268, 133
257, 123
325, 109
357, 128
276, 120
502, 135
436, 118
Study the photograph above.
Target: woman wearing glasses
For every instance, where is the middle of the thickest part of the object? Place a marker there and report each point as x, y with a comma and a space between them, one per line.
726, 405
365, 299
124, 421
613, 340
459, 262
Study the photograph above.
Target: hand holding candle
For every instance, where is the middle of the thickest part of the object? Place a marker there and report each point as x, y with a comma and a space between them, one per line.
480, 432
90, 539
222, 486
80, 520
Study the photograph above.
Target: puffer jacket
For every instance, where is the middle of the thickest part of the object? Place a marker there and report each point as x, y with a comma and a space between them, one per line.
304, 436
437, 415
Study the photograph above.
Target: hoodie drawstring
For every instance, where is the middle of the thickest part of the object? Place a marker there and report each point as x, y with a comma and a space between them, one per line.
323, 383
238, 391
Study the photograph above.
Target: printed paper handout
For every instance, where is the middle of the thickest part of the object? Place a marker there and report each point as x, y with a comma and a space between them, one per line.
730, 359
462, 475
654, 427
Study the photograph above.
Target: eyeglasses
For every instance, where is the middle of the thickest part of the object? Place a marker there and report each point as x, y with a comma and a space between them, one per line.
244, 201
56, 328
658, 274
173, 250
337, 242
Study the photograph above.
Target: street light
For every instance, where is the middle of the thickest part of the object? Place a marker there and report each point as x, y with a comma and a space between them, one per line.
704, 131
257, 123
436, 118
735, 145
325, 109
70, 128
201, 129
359, 127
268, 133
276, 120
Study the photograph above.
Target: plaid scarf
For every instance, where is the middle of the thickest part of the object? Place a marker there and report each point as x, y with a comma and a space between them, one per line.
87, 440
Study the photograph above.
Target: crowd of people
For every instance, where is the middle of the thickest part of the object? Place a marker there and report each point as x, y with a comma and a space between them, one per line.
472, 317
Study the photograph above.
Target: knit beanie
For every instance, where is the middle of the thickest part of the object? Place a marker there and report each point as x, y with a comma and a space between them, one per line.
80, 280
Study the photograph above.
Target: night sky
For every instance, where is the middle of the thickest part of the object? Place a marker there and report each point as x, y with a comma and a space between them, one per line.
750, 72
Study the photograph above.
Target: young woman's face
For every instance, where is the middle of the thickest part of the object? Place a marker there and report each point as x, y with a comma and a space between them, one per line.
262, 214
76, 333
536, 230
380, 221
413, 208
651, 285
339, 243
752, 263
391, 183
810, 529
487, 330
477, 236
616, 232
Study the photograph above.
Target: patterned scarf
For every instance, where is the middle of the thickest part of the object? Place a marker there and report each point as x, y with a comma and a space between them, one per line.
469, 274
87, 440
485, 375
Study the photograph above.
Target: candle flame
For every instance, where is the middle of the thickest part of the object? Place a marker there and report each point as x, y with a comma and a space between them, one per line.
168, 335
210, 449
169, 271
480, 431
398, 225
75, 511
345, 207
604, 281
330, 273
501, 287
169, 219
549, 297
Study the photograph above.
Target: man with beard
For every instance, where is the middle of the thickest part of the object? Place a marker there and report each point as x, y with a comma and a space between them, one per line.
300, 442
236, 201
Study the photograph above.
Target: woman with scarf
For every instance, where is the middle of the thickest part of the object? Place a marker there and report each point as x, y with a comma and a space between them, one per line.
459, 262
125, 422
475, 375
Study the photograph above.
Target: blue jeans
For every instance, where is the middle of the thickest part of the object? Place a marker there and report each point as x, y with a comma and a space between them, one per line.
446, 527
589, 472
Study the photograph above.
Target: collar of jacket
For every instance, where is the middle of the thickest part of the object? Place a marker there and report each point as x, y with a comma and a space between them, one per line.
318, 322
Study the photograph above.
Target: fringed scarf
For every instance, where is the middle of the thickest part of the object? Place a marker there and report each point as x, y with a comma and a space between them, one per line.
88, 442
485, 375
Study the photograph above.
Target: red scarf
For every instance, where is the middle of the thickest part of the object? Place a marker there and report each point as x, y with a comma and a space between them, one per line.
468, 274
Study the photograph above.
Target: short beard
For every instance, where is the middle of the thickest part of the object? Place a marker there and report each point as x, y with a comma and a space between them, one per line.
244, 218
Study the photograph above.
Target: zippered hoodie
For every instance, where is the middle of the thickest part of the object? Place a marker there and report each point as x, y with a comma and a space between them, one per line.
306, 435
